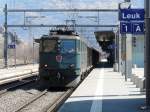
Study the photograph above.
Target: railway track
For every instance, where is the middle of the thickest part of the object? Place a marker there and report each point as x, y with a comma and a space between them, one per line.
58, 102
51, 106
46, 100
32, 98
22, 83
53, 95
50, 99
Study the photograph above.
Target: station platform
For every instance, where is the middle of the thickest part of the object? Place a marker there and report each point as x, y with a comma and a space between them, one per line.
105, 91
138, 72
19, 68
10, 74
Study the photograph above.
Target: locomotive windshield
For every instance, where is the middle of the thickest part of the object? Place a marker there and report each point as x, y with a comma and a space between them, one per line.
67, 46
49, 45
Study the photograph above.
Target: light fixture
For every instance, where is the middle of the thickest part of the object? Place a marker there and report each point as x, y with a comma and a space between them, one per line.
125, 5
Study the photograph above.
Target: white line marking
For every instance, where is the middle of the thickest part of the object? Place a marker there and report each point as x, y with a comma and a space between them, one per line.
97, 101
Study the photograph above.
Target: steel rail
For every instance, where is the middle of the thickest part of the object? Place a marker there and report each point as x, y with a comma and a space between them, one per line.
17, 77
58, 102
31, 100
2, 92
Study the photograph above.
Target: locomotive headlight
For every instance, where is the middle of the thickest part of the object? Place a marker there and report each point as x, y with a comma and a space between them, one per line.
58, 45
58, 42
72, 66
45, 65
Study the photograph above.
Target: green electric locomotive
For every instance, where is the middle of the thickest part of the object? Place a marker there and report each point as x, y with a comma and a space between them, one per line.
64, 58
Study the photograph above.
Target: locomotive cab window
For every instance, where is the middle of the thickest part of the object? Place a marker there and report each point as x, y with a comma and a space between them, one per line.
68, 46
49, 45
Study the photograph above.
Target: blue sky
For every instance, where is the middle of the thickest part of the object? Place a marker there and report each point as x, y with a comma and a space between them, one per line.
59, 18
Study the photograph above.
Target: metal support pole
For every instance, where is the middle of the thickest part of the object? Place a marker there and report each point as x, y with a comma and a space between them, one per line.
128, 55
115, 62
33, 52
116, 52
31, 38
15, 51
125, 57
5, 39
115, 47
126, 52
147, 61
147, 52
119, 52
119, 44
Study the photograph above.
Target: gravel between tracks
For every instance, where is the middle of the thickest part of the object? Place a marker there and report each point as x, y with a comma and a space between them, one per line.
42, 102
14, 98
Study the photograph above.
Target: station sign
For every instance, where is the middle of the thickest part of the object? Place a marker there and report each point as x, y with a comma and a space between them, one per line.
132, 27
131, 21
11, 46
131, 14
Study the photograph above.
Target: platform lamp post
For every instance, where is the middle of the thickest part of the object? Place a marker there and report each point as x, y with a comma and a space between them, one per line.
15, 40
128, 3
5, 39
116, 43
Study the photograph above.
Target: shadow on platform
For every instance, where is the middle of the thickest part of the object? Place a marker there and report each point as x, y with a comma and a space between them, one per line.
104, 65
108, 105
123, 105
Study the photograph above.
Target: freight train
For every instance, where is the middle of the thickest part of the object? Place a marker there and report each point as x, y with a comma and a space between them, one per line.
65, 58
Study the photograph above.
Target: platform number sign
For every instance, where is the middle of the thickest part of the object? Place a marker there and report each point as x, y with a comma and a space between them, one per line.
11, 46
125, 27
132, 28
138, 28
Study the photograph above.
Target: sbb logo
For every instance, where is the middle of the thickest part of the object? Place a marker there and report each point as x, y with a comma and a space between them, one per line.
59, 58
